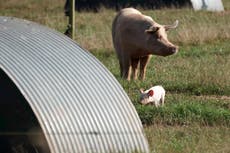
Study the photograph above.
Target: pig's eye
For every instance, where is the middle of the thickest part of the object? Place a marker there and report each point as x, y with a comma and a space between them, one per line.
160, 37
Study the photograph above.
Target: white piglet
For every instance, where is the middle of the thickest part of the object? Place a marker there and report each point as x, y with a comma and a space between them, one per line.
154, 95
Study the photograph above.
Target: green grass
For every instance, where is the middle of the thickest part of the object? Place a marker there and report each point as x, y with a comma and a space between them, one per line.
188, 139
202, 69
196, 115
186, 110
195, 72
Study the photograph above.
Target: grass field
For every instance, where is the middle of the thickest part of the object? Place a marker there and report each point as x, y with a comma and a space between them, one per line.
196, 117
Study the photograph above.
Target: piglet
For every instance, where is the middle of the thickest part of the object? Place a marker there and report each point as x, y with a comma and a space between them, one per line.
154, 95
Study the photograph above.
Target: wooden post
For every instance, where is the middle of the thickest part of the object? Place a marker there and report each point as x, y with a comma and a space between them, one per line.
72, 18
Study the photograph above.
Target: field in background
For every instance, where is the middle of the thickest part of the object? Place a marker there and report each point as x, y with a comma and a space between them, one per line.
196, 117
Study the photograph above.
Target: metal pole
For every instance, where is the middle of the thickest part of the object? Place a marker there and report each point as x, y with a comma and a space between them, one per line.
72, 18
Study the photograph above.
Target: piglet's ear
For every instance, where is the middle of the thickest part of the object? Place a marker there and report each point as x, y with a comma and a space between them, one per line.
150, 93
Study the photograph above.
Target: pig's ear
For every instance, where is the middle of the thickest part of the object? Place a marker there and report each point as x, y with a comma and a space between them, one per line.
173, 26
152, 30
150, 93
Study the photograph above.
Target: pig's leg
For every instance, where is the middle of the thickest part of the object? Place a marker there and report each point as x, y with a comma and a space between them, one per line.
126, 63
156, 103
120, 57
121, 66
135, 62
143, 64
162, 100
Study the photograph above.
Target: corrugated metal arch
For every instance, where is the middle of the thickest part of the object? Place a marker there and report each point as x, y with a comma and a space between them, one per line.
78, 103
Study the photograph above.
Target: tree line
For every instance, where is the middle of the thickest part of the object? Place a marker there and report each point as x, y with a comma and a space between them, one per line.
94, 5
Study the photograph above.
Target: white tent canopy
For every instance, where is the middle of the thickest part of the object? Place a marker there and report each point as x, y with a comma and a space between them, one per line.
210, 5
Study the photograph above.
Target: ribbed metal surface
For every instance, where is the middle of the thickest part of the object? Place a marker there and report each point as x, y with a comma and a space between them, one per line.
79, 104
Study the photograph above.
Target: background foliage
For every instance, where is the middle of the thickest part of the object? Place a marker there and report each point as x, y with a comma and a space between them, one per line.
118, 4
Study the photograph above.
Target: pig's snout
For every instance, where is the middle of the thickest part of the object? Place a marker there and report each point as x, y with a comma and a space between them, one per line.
174, 49
171, 50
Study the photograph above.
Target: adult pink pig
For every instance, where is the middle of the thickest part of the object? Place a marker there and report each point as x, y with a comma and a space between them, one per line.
135, 38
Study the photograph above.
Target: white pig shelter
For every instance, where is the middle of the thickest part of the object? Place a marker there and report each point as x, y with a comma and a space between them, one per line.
56, 97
